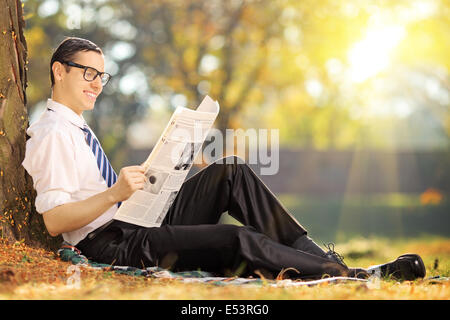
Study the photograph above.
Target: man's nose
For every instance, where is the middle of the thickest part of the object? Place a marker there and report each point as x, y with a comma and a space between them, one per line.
97, 83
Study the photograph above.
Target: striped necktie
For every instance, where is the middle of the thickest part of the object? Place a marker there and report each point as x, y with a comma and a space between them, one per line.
103, 164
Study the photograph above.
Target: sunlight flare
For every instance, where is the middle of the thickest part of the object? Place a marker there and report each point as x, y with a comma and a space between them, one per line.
373, 54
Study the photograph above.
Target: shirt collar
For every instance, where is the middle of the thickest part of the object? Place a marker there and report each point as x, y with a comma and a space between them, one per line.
66, 113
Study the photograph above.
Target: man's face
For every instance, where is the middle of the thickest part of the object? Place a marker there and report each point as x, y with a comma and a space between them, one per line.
73, 90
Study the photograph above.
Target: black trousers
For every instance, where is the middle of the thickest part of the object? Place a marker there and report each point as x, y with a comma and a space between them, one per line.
190, 238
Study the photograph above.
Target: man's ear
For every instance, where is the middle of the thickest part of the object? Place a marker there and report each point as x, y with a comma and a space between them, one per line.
58, 70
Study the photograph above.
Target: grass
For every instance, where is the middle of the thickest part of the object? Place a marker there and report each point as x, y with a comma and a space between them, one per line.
29, 273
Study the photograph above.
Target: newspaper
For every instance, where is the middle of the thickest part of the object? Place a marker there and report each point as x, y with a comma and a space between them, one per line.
168, 164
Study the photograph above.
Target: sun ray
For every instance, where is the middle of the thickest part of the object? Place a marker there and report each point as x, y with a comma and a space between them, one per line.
373, 53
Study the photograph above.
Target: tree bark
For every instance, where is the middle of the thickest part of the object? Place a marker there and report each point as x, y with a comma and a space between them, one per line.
19, 220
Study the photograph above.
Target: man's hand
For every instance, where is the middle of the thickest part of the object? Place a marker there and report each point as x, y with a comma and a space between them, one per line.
129, 180
74, 215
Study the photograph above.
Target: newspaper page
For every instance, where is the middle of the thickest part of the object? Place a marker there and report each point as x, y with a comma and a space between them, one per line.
168, 164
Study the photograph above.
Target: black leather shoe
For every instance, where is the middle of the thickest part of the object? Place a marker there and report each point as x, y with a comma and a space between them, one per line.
406, 267
333, 255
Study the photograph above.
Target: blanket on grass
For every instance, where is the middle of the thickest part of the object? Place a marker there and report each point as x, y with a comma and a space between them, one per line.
71, 254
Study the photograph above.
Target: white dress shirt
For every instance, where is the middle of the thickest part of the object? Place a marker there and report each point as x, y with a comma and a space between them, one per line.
62, 165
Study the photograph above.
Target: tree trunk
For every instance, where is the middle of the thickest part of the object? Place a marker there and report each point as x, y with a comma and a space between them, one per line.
18, 217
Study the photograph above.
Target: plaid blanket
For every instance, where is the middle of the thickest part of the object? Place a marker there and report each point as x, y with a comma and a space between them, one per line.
71, 254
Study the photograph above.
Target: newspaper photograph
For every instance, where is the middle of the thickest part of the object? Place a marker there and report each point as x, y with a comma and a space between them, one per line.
168, 164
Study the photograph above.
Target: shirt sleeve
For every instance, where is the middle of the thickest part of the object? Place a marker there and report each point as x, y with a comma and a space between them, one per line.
50, 161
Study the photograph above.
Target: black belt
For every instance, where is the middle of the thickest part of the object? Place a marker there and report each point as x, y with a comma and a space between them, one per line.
93, 234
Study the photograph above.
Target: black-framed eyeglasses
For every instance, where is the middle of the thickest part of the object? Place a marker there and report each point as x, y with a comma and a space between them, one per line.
90, 74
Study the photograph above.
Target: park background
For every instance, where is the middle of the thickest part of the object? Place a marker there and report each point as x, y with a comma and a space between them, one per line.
359, 91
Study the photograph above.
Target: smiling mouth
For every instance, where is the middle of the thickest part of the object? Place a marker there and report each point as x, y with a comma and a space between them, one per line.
92, 96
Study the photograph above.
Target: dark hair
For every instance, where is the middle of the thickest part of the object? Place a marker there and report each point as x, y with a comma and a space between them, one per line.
68, 48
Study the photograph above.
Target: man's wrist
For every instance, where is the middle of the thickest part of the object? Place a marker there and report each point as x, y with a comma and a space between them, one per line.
111, 196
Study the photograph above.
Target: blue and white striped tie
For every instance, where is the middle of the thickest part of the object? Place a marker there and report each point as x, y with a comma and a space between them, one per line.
103, 164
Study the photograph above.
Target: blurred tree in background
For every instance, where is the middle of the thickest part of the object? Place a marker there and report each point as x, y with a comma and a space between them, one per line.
329, 74
161, 53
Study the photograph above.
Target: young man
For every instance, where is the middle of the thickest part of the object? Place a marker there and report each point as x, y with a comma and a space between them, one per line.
78, 194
